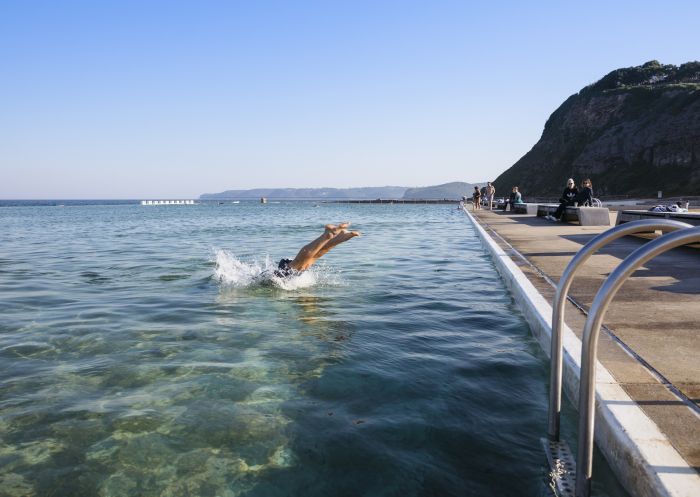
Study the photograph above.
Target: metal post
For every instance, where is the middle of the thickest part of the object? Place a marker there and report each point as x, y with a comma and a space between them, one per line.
558, 304
591, 332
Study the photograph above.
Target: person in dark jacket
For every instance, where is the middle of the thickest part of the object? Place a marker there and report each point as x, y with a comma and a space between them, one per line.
567, 198
585, 195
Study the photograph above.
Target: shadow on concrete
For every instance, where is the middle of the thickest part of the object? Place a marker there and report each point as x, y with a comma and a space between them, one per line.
682, 263
620, 248
535, 221
549, 254
530, 220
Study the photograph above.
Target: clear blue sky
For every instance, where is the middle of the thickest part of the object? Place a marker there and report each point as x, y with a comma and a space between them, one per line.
171, 99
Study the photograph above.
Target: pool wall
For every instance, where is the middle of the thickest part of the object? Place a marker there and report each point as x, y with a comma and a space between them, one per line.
643, 460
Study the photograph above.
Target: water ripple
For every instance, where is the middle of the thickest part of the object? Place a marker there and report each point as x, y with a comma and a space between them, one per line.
140, 354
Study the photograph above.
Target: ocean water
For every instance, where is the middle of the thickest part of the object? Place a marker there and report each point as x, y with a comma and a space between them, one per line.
147, 351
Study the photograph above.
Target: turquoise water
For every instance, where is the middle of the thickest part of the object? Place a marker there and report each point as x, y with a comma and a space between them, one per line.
144, 352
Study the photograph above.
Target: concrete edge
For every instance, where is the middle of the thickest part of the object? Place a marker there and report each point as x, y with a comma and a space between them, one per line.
643, 460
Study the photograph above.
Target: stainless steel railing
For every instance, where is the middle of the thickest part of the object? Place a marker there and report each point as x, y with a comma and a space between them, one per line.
564, 468
591, 332
561, 295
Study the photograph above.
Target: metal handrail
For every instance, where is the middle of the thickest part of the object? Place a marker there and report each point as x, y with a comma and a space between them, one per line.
558, 304
591, 332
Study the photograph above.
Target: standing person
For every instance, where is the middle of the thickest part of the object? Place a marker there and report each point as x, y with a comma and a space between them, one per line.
567, 198
476, 198
490, 192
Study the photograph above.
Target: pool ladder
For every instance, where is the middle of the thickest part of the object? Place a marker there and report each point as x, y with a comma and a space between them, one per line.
570, 480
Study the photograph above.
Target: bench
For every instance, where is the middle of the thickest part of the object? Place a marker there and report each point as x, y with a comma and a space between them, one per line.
524, 208
586, 216
546, 209
635, 215
692, 218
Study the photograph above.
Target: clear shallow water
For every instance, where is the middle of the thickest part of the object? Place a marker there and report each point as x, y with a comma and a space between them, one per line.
141, 354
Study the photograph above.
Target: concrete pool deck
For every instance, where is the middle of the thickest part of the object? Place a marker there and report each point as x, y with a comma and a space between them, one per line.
649, 360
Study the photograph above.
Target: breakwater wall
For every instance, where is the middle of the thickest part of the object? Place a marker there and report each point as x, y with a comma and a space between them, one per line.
392, 201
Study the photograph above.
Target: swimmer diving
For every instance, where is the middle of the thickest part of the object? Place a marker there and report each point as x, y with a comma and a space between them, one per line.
333, 235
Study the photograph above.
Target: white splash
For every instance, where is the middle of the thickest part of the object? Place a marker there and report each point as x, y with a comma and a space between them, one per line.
234, 273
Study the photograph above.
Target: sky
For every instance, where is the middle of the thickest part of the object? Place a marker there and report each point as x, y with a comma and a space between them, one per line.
146, 99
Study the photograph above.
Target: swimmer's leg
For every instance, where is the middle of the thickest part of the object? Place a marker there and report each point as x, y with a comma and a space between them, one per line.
341, 237
306, 256
337, 227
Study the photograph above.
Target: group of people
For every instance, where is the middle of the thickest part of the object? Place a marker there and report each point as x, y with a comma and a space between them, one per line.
335, 234
573, 196
489, 191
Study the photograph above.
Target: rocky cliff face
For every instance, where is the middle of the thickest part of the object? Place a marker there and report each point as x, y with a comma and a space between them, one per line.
634, 132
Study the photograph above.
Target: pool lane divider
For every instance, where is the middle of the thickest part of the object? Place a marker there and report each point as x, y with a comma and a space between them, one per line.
641, 457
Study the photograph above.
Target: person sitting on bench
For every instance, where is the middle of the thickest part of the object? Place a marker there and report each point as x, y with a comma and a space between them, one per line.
515, 198
585, 195
567, 199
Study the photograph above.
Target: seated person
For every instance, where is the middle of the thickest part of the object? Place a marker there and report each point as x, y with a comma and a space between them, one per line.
567, 198
515, 198
585, 195
332, 235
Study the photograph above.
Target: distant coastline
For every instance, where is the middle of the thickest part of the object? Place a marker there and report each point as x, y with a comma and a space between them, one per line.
450, 191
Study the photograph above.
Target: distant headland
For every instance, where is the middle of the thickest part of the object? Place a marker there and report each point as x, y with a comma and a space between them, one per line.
451, 191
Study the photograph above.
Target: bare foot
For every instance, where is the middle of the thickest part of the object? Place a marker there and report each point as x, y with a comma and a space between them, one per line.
334, 229
344, 235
